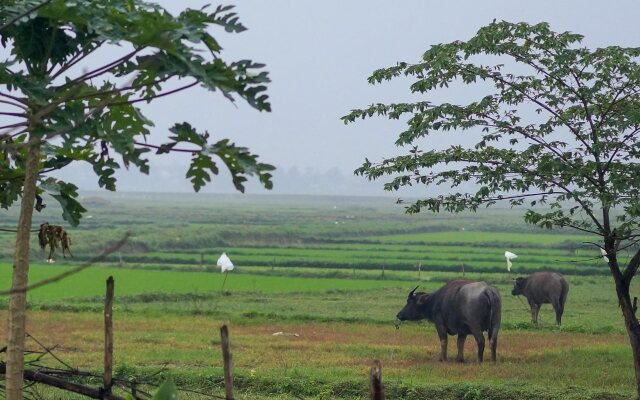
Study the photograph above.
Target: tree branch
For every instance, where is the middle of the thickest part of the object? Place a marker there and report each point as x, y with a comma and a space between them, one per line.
153, 146
99, 71
536, 101
594, 134
76, 59
120, 103
542, 142
627, 137
632, 267
584, 206
18, 99
14, 104
13, 126
120, 90
12, 114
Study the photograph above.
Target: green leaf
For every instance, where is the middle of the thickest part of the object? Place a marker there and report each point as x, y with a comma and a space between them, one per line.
66, 194
166, 391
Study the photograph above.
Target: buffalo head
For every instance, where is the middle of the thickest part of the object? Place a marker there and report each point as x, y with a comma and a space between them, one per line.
412, 311
518, 286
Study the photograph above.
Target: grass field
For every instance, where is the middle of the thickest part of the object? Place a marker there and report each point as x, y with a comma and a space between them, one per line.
330, 274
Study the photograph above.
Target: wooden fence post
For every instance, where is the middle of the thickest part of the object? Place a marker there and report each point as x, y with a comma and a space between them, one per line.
377, 391
108, 337
228, 365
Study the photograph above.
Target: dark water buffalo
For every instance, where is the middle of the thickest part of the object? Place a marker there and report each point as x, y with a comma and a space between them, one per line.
540, 288
458, 308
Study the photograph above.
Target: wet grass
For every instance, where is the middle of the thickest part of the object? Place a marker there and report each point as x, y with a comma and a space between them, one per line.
313, 270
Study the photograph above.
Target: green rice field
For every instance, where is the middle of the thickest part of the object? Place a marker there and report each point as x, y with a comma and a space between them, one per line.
327, 275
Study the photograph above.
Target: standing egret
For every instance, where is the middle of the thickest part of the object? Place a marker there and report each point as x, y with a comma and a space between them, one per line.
225, 265
509, 256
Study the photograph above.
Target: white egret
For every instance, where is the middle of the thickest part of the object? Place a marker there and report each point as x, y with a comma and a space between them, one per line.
509, 256
225, 265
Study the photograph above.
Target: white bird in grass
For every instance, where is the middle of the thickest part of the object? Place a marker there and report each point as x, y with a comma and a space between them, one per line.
225, 265
509, 256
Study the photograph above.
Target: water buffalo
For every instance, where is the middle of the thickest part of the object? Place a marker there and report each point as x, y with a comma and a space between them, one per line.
540, 288
458, 308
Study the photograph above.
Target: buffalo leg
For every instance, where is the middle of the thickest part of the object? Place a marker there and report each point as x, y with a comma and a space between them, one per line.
461, 340
535, 308
443, 345
494, 347
480, 341
532, 306
558, 309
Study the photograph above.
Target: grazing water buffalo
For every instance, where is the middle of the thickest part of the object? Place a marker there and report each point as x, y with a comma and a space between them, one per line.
458, 308
540, 288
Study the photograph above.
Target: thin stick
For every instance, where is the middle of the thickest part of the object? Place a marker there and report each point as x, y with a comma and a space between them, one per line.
108, 337
48, 350
224, 281
228, 364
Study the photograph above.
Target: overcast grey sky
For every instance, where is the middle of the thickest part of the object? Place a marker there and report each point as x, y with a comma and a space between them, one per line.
319, 55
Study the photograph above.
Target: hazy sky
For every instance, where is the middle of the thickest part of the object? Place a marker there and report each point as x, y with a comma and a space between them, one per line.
319, 55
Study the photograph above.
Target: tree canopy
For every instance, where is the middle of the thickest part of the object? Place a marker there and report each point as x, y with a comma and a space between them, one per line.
561, 132
50, 96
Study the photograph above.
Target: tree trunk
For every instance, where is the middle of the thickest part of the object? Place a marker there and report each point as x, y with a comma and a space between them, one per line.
18, 302
633, 328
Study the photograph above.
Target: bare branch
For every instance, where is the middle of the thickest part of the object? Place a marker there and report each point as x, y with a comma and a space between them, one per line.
14, 104
104, 69
18, 99
120, 90
75, 59
156, 96
12, 114
153, 146
13, 126
48, 351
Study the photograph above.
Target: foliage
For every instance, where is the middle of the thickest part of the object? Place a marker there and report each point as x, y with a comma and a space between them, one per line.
91, 116
166, 391
560, 130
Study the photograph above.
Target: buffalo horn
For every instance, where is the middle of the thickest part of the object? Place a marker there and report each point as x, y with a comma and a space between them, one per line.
414, 289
